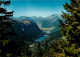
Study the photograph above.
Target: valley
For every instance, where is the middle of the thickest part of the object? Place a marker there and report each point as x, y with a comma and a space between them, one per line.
42, 30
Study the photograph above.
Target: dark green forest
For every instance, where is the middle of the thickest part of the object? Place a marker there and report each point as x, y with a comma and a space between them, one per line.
67, 47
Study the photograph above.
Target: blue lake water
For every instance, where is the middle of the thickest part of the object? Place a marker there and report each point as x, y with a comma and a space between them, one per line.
41, 38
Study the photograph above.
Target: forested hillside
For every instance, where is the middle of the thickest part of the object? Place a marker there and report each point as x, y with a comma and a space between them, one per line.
27, 30
18, 38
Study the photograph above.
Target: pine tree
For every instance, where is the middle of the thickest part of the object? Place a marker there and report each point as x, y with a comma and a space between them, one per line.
71, 27
70, 47
46, 49
38, 52
7, 46
26, 51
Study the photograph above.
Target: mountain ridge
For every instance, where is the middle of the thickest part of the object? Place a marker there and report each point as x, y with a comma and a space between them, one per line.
46, 24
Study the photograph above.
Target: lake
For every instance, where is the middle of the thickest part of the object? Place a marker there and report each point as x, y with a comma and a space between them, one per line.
42, 38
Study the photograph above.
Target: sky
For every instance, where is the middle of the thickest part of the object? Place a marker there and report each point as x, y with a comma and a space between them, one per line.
37, 8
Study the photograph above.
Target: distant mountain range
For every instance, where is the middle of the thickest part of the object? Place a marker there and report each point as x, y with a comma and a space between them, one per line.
48, 24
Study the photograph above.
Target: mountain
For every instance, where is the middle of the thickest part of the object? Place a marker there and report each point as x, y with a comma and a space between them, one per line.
26, 30
48, 24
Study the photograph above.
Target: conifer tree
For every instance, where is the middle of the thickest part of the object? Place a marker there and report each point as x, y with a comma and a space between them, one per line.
38, 52
26, 51
71, 27
70, 47
7, 46
46, 49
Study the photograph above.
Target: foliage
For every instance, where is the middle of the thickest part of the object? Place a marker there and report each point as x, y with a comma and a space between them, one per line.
58, 48
71, 29
38, 51
62, 48
9, 47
